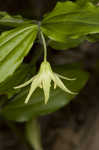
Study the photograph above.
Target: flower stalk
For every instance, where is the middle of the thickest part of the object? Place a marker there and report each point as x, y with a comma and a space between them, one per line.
45, 48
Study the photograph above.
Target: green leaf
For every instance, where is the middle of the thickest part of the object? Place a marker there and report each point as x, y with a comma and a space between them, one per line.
17, 110
82, 2
19, 76
93, 37
95, 1
69, 43
7, 21
68, 19
14, 46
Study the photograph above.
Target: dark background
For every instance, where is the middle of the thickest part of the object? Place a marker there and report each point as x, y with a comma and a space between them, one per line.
76, 126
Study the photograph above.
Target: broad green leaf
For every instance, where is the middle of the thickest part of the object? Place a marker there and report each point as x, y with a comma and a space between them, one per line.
69, 43
7, 21
93, 37
95, 1
3, 100
19, 76
17, 110
14, 46
82, 2
68, 19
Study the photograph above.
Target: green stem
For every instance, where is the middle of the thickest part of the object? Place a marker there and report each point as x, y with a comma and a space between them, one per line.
45, 48
33, 134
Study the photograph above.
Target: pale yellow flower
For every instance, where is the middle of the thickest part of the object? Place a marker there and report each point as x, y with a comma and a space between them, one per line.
43, 80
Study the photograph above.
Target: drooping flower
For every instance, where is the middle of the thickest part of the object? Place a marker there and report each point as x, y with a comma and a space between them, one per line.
43, 80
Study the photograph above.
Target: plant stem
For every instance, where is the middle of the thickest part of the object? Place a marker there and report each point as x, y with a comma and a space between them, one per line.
45, 48
33, 134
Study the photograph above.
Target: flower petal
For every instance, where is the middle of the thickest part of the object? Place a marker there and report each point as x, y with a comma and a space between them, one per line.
66, 78
60, 84
46, 87
24, 84
33, 87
